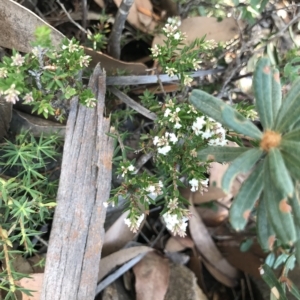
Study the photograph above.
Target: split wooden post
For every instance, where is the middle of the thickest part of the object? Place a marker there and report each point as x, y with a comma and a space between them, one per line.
77, 234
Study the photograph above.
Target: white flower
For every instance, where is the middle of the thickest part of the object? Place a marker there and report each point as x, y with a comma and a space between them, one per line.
169, 29
156, 140
71, 47
154, 190
164, 150
173, 138
206, 134
177, 35
177, 125
130, 168
173, 204
187, 80
196, 63
90, 102
84, 61
134, 222
175, 225
195, 184
198, 125
174, 21
3, 73
174, 116
17, 60
155, 51
170, 104
28, 98
171, 71
167, 112
204, 185
11, 94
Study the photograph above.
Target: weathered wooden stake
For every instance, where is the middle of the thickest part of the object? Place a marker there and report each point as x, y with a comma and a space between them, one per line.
77, 234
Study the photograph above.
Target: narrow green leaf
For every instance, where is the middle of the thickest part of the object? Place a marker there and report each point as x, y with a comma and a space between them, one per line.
292, 136
279, 173
290, 146
209, 105
292, 163
239, 123
241, 164
278, 209
289, 104
276, 92
297, 244
220, 154
269, 277
244, 201
265, 233
262, 87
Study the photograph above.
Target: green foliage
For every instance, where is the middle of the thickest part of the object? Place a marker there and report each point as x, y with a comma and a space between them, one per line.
273, 164
46, 77
27, 197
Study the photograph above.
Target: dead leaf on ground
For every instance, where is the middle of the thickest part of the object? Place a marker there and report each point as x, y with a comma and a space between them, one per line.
183, 284
118, 258
177, 244
222, 31
34, 283
141, 15
117, 236
18, 35
207, 247
151, 277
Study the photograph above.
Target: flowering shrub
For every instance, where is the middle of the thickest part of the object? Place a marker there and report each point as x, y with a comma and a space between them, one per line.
46, 78
178, 132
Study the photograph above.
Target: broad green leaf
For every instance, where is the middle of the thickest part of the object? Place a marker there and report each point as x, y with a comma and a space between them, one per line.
279, 173
276, 92
264, 230
269, 277
289, 104
241, 164
220, 154
244, 201
292, 163
239, 123
290, 146
278, 209
262, 87
209, 105
293, 136
297, 244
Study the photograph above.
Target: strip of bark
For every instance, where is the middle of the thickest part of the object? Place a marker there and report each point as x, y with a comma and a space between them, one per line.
77, 234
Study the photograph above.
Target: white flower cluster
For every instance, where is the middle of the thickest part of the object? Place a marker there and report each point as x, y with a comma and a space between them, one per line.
12, 95
154, 189
134, 222
163, 143
173, 116
71, 47
125, 170
213, 131
177, 225
195, 185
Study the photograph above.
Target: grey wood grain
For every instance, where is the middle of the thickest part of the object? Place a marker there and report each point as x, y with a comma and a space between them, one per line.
77, 234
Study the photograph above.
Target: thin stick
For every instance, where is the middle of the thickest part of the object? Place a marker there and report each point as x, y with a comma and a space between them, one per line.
113, 46
70, 18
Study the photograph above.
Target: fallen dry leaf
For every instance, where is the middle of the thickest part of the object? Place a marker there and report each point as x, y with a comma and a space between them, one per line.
151, 277
177, 244
222, 31
118, 258
183, 284
34, 283
207, 247
17, 34
117, 236
141, 15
